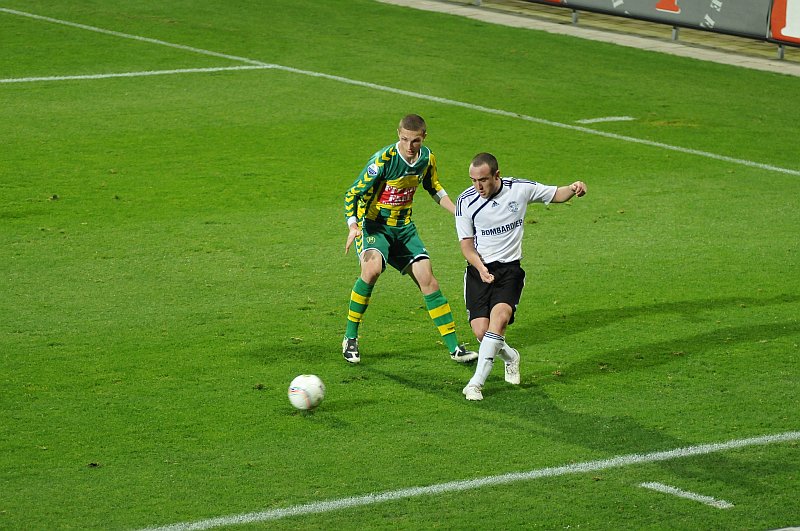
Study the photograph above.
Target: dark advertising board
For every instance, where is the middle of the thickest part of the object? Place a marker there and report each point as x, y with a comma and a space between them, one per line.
738, 17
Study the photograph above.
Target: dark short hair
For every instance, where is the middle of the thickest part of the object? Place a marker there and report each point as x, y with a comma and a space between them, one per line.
413, 122
485, 158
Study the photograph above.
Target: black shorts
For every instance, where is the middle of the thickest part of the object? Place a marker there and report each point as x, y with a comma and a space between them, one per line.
480, 297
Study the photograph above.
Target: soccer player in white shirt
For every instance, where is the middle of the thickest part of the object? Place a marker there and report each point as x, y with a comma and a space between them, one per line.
490, 221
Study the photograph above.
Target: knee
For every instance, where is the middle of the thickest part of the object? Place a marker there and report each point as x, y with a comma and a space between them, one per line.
422, 274
370, 276
371, 268
431, 285
479, 330
500, 317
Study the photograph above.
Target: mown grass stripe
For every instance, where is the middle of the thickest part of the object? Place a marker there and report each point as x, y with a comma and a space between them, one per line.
444, 101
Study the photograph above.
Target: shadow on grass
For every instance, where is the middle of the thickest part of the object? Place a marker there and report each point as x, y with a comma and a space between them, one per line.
643, 356
576, 323
618, 435
613, 435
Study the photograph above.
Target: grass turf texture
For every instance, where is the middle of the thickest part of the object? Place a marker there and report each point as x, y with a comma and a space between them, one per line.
173, 258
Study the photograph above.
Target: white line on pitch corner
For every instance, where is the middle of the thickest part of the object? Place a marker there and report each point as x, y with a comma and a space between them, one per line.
605, 119
135, 74
436, 99
458, 486
708, 500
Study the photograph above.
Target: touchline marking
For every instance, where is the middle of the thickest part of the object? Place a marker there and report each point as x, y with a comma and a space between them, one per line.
436, 99
605, 119
708, 500
457, 486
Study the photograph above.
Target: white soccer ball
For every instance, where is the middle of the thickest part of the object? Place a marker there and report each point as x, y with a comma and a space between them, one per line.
306, 391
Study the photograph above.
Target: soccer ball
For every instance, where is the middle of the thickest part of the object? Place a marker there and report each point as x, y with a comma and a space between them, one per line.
306, 391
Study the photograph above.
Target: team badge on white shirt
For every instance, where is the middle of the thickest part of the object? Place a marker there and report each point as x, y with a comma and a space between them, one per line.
498, 230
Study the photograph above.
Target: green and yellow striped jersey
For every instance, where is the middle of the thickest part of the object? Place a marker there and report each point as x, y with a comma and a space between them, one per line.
385, 188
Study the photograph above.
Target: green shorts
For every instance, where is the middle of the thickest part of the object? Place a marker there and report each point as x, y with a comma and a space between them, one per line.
399, 246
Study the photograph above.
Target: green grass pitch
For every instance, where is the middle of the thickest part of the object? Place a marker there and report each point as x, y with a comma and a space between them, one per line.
172, 256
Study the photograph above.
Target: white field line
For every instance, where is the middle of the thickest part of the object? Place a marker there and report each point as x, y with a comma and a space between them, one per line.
135, 74
436, 99
605, 119
457, 486
708, 500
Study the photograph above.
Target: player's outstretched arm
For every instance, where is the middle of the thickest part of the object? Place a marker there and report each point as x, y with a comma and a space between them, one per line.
565, 193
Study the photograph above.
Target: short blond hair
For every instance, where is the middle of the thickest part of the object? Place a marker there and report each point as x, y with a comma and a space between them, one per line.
413, 122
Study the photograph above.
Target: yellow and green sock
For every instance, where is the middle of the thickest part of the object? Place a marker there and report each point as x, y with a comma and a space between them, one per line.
439, 310
359, 300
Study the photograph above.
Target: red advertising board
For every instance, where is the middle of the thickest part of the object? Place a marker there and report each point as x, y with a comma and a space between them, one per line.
670, 6
785, 21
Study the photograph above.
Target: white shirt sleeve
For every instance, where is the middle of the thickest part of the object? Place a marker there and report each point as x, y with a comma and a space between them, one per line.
464, 227
542, 193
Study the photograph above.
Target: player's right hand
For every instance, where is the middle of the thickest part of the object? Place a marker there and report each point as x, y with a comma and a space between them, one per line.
351, 237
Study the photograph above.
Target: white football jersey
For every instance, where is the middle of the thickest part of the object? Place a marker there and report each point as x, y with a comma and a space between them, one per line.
498, 223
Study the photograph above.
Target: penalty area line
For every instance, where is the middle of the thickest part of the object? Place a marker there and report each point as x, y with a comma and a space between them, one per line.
541, 121
471, 484
666, 489
136, 74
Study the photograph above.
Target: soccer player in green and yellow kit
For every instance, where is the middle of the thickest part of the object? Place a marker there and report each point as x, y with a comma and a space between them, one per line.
377, 208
